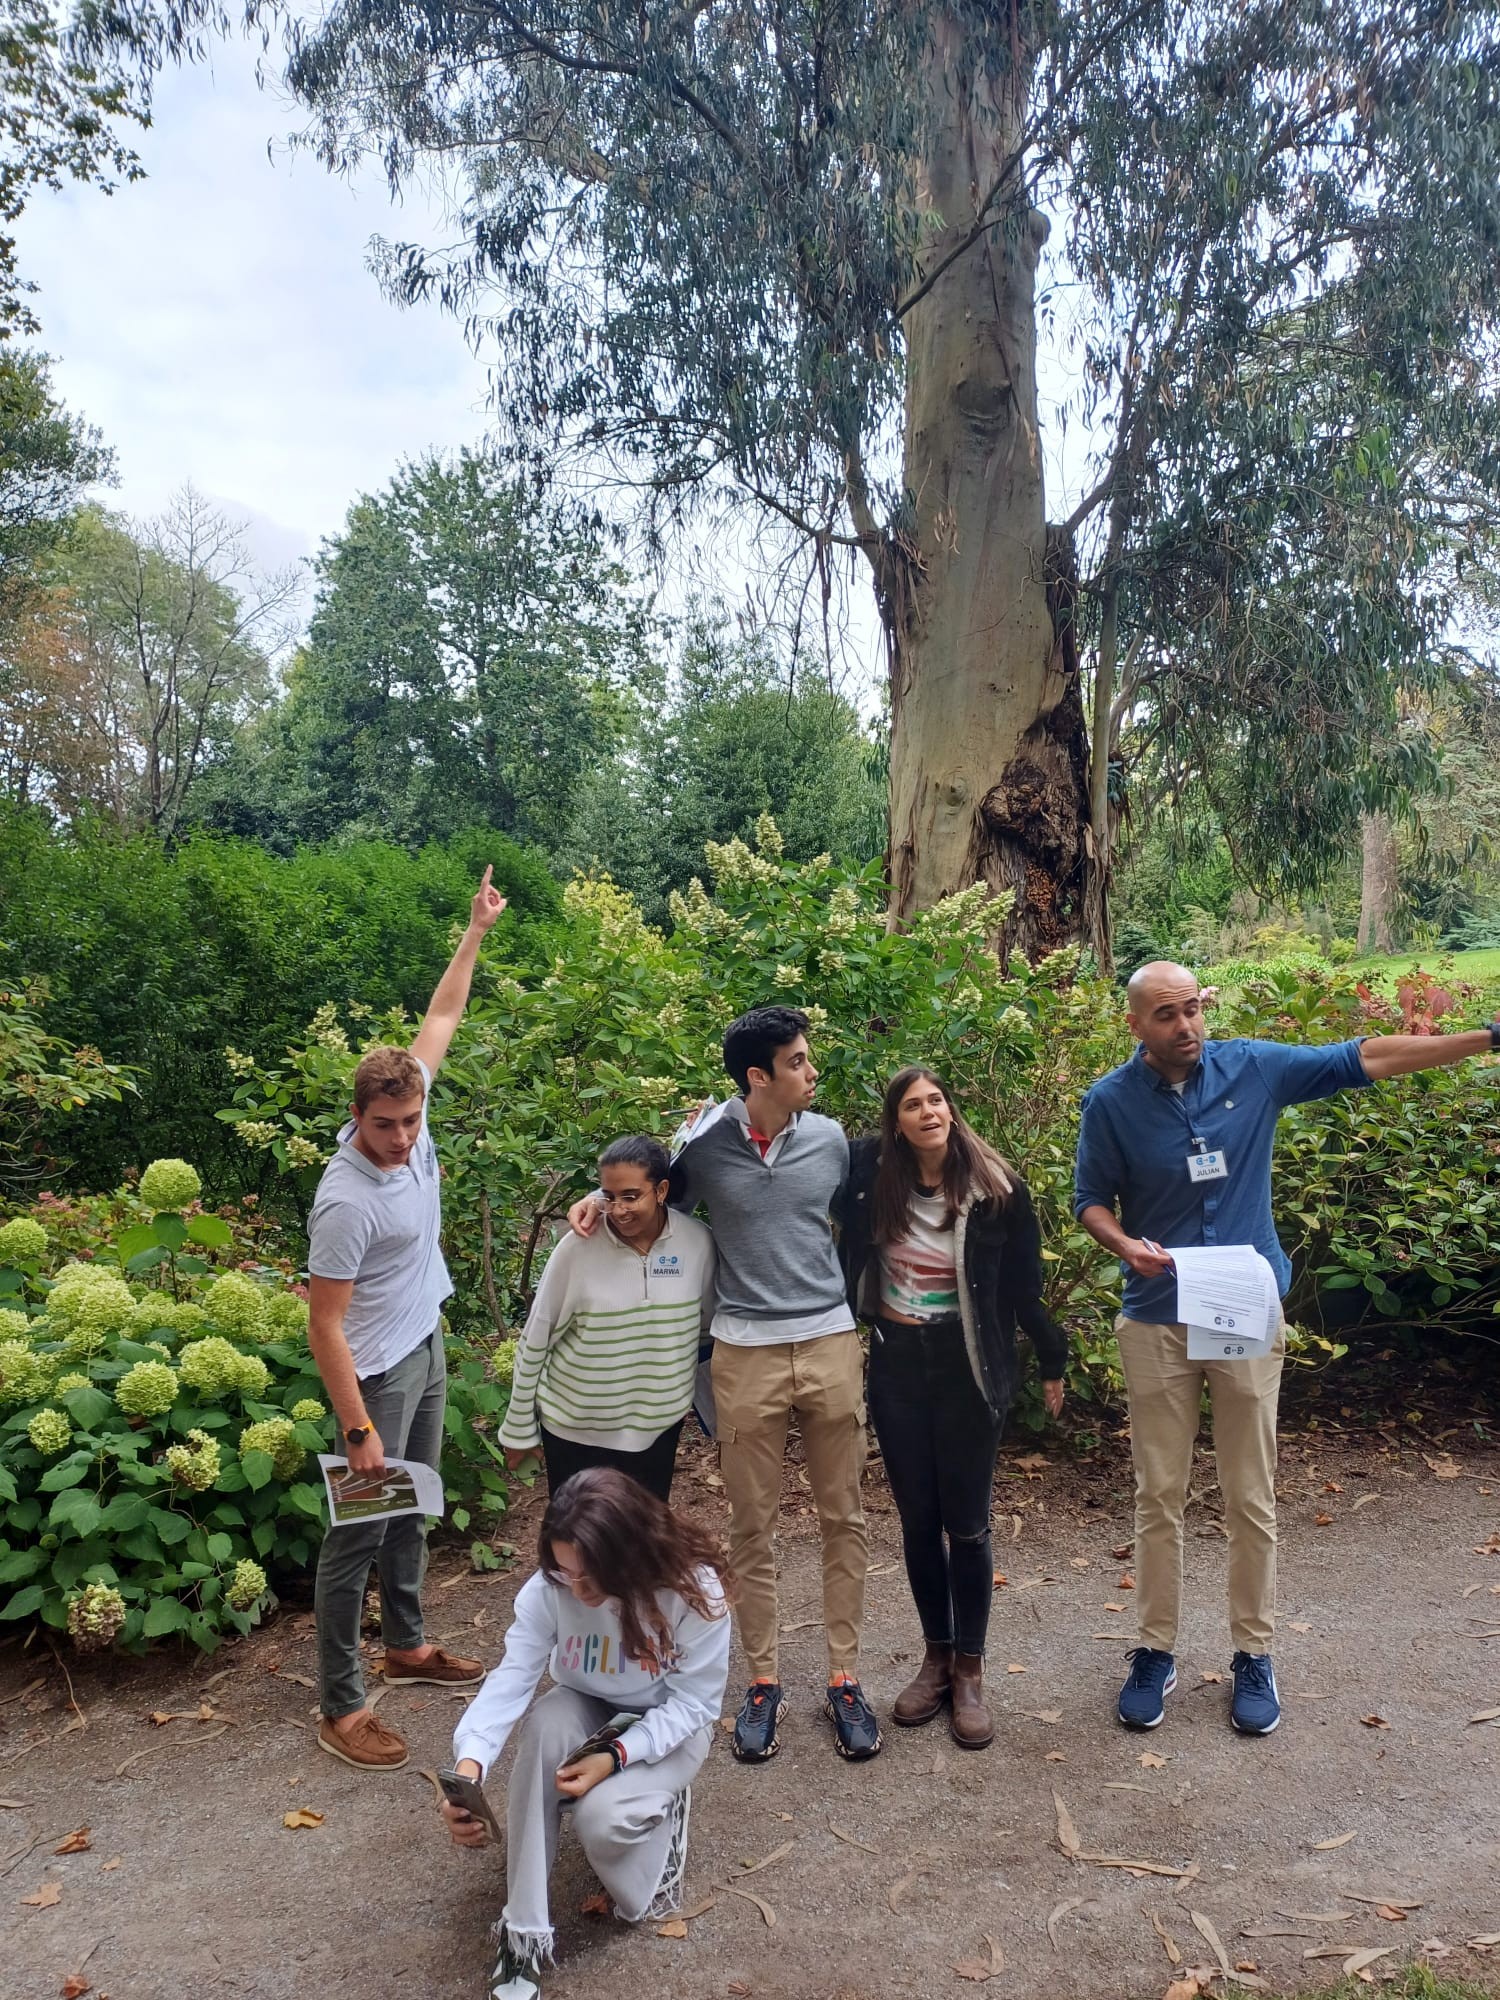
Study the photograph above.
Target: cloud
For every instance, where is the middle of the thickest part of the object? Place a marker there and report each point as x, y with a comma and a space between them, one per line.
218, 323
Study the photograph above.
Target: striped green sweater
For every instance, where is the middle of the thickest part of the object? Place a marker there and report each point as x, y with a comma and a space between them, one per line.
609, 1353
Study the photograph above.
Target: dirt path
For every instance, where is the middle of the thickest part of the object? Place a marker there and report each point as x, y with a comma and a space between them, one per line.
1385, 1612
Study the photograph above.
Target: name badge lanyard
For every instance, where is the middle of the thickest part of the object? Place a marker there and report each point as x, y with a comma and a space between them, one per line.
1204, 1163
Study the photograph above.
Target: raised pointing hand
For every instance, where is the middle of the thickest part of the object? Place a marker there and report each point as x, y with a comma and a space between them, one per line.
487, 904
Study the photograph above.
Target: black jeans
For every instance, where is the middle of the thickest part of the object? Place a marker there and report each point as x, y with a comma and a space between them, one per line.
653, 1467
938, 1437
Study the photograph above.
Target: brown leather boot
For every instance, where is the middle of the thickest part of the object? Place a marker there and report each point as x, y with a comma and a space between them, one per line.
925, 1696
970, 1724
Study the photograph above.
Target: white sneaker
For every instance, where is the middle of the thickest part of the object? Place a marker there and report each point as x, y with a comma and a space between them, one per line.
515, 1976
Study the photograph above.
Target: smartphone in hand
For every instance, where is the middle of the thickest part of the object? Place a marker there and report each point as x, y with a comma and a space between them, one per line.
468, 1794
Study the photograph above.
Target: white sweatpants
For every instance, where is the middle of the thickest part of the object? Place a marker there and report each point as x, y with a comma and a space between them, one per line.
624, 1824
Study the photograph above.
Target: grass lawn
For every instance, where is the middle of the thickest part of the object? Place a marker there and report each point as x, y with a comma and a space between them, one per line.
1474, 968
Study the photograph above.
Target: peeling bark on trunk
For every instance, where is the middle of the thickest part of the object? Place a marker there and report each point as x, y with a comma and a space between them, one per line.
989, 770
1377, 882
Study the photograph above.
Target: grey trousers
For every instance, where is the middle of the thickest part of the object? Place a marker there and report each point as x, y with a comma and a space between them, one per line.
625, 1824
405, 1404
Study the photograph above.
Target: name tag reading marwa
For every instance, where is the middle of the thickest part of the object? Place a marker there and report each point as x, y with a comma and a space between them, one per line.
1207, 1167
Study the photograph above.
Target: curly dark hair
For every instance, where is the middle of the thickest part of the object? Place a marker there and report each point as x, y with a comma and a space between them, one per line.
633, 1547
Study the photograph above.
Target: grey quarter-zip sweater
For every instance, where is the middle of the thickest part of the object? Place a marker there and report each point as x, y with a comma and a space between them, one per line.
777, 1257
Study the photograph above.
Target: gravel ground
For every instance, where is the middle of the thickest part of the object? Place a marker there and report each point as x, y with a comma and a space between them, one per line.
881, 1880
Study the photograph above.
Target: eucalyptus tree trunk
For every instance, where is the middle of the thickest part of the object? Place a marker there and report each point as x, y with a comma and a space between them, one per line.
988, 750
1377, 882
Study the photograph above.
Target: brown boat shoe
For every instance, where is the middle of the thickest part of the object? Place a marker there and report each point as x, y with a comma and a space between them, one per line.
368, 1745
440, 1668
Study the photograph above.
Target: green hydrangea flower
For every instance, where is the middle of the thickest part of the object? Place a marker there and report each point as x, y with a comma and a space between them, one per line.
170, 1184
25, 1375
237, 1305
246, 1587
278, 1436
308, 1411
14, 1325
66, 1382
214, 1368
22, 1241
148, 1389
503, 1361
49, 1431
286, 1315
74, 1273
196, 1463
157, 1314
87, 1309
95, 1615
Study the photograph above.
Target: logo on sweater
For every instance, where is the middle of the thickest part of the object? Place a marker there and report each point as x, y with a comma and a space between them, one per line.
667, 1267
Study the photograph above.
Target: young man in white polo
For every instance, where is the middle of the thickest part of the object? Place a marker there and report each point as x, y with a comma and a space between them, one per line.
378, 1282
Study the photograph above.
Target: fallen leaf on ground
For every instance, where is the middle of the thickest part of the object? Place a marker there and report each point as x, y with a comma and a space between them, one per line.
767, 1914
839, 1834
1032, 1461
302, 1680
1056, 1757
1486, 1941
75, 1986
12, 1805
1127, 1582
1300, 1625
765, 1861
1339, 1840
1358, 1960
1191, 1984
1072, 1903
1391, 1914
597, 1905
1123, 1552
45, 1898
1332, 1486
1079, 1562
1114, 1607
1322, 1520
1246, 1965
699, 1909
1149, 1761
737, 1987
105, 1866
1364, 1501
1486, 1715
1317, 1916
1444, 1466
1015, 1668
674, 1927
1046, 1714
1204, 1927
301, 1816
897, 1890
1067, 1832
1390, 1902
982, 1968
1215, 1678
1168, 1942
1000, 1581
77, 1842
1328, 1950
1114, 1785
1374, 1722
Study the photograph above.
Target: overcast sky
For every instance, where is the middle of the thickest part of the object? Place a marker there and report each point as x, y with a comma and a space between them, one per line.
218, 323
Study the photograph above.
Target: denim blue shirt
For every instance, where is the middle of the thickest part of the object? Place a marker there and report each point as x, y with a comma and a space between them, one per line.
1136, 1134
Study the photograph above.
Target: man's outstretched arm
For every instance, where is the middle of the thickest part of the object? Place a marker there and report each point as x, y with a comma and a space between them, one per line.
446, 1007
1404, 1055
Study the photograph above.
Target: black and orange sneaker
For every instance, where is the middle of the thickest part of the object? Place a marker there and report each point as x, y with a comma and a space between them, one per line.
755, 1740
856, 1732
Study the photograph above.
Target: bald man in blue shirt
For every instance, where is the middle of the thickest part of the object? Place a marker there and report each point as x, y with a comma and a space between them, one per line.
1174, 1148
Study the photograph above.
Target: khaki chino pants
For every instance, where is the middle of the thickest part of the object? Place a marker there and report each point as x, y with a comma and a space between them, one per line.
755, 1391
1165, 1392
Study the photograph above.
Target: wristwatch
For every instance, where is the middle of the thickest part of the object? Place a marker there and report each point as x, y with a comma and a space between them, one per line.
357, 1433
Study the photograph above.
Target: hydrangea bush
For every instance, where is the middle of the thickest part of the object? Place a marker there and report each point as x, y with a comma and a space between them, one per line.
160, 1415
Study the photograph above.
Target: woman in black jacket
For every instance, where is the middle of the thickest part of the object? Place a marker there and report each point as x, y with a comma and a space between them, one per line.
942, 1257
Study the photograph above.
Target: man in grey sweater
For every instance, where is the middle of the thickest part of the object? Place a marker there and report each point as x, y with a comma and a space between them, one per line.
768, 1173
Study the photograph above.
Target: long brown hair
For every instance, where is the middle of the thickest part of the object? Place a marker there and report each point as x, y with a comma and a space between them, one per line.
970, 1166
633, 1547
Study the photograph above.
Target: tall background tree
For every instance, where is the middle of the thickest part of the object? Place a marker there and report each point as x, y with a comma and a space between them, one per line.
792, 252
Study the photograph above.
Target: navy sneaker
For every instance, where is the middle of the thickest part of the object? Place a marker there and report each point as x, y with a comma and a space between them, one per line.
755, 1740
1153, 1675
1256, 1708
855, 1730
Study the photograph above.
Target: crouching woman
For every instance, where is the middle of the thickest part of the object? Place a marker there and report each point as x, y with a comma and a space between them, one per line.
628, 1610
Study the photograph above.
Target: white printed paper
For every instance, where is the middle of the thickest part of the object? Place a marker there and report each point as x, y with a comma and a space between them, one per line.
405, 1486
1228, 1299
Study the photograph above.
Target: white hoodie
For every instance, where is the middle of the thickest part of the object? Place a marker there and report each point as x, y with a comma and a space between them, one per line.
580, 1645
